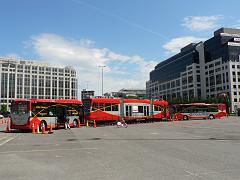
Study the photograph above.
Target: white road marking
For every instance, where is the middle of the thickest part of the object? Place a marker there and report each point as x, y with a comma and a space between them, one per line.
47, 150
4, 137
154, 133
193, 174
221, 171
7, 141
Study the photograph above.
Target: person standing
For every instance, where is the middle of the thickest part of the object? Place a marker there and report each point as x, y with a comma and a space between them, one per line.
67, 126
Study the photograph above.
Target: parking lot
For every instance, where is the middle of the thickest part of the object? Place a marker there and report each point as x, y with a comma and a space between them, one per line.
198, 149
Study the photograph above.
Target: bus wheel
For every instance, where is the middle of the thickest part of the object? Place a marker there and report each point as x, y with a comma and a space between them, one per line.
185, 117
75, 123
211, 116
43, 123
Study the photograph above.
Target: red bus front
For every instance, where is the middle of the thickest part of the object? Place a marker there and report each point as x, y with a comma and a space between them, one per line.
20, 114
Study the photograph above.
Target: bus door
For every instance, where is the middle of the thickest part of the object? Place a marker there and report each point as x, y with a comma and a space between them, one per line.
61, 114
81, 114
146, 110
128, 109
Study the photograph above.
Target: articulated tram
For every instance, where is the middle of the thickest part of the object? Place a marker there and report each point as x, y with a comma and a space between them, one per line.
113, 109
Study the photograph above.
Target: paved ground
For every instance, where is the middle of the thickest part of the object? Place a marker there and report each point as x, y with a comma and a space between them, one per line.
186, 150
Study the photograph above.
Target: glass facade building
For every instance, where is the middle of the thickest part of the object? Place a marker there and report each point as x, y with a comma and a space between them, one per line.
201, 70
30, 79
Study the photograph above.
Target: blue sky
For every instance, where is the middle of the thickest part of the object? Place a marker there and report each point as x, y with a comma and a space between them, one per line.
129, 36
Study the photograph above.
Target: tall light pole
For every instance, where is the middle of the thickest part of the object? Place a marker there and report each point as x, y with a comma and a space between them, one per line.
102, 76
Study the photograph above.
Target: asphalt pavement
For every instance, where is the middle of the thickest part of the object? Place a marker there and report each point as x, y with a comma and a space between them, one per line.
198, 149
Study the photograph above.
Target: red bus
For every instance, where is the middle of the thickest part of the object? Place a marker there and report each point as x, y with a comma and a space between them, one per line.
25, 112
198, 111
113, 109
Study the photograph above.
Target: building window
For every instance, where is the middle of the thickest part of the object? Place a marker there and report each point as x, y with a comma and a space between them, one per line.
218, 79
27, 80
67, 83
48, 81
198, 78
34, 69
178, 82
54, 92
212, 81
211, 71
190, 79
41, 81
60, 93
60, 85
48, 91
184, 80
211, 65
34, 90
223, 77
212, 89
41, 91
168, 85
41, 70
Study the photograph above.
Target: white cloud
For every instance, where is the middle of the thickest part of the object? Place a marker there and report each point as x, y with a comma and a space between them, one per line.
122, 71
176, 44
199, 23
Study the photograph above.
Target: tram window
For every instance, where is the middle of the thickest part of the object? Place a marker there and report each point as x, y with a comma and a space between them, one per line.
107, 107
51, 111
102, 107
140, 109
157, 108
114, 107
95, 106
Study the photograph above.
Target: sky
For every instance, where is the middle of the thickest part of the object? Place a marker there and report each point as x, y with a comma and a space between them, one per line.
129, 37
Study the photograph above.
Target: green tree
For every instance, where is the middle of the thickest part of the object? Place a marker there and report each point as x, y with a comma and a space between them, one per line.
3, 108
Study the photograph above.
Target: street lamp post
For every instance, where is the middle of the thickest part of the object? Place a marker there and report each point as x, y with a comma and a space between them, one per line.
102, 76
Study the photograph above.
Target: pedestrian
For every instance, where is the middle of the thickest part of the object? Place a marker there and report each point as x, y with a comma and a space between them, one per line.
123, 123
67, 126
119, 124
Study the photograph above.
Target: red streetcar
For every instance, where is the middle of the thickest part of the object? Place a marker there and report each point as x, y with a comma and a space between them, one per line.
114, 109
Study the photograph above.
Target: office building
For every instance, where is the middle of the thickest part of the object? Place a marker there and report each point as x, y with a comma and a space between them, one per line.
30, 79
128, 93
87, 94
201, 70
